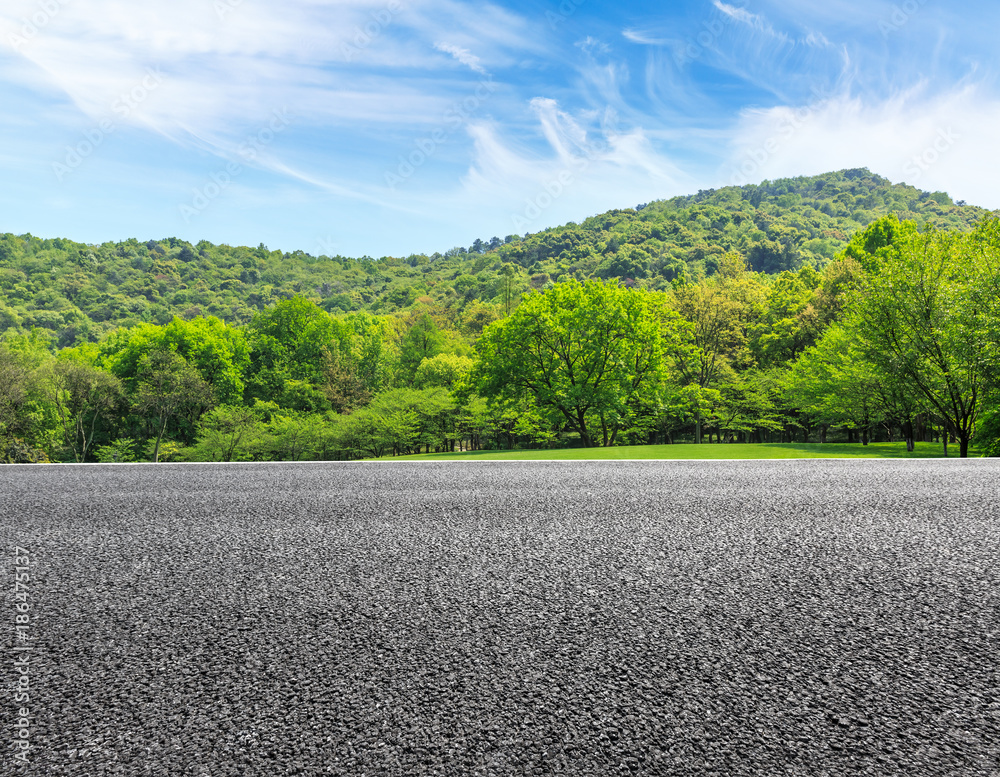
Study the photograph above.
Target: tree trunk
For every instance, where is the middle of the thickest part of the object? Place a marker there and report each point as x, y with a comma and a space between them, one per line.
697, 428
159, 436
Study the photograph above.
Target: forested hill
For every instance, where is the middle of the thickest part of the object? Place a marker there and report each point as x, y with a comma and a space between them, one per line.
73, 293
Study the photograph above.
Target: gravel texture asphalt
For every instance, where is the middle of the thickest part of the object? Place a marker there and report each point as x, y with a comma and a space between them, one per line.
821, 617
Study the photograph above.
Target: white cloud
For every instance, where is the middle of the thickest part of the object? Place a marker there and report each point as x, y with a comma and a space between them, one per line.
226, 63
941, 141
591, 46
590, 167
464, 56
644, 38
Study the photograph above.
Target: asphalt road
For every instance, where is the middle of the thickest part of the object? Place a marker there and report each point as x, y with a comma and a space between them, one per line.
822, 617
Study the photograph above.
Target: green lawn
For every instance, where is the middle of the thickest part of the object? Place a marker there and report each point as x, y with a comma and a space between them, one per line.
880, 450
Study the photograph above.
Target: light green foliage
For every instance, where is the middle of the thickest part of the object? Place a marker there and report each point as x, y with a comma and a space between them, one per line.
916, 321
119, 451
590, 354
423, 340
83, 395
169, 389
834, 383
219, 353
344, 357
288, 343
400, 421
228, 432
443, 370
790, 322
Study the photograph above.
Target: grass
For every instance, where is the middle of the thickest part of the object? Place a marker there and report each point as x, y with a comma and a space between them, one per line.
875, 450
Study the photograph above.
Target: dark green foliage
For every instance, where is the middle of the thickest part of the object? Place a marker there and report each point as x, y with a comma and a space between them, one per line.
737, 293
75, 293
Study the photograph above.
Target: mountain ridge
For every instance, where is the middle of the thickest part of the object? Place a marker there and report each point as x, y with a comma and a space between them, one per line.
72, 293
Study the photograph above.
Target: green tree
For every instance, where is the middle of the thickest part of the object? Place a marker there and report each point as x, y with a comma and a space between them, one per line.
423, 340
288, 342
911, 318
834, 384
169, 388
719, 313
443, 370
591, 353
14, 377
227, 432
83, 394
218, 352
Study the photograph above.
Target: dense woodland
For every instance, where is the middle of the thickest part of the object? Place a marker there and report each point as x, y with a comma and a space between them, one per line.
835, 307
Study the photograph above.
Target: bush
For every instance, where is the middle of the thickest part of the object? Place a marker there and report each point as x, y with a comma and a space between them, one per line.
17, 451
988, 434
118, 452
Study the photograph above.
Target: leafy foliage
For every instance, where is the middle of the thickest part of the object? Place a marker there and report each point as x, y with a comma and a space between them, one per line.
835, 305
74, 293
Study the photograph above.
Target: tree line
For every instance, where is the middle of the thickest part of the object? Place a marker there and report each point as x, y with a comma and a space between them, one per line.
73, 293
896, 338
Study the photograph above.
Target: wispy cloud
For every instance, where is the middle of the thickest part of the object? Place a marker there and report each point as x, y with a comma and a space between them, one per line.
752, 20
591, 46
934, 141
635, 104
464, 56
645, 38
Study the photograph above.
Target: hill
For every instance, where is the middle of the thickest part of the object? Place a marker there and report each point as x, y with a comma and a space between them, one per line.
73, 293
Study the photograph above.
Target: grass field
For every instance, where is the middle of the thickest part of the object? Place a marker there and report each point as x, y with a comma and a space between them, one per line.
880, 450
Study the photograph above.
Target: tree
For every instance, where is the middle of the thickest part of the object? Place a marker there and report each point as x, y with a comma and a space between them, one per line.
227, 430
423, 340
834, 383
288, 342
590, 353
718, 312
913, 318
789, 323
29, 424
218, 352
14, 377
169, 387
509, 282
443, 370
82, 394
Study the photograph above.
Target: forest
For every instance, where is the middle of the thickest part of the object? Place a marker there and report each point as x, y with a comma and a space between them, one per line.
837, 307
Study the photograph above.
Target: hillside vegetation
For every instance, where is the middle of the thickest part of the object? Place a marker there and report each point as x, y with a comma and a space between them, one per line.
74, 293
790, 312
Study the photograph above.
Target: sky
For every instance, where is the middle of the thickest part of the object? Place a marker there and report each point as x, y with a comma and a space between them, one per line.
394, 127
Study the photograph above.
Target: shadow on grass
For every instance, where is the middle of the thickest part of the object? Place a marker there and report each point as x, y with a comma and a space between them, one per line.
681, 451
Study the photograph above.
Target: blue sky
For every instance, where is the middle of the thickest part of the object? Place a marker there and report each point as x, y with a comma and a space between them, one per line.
405, 126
